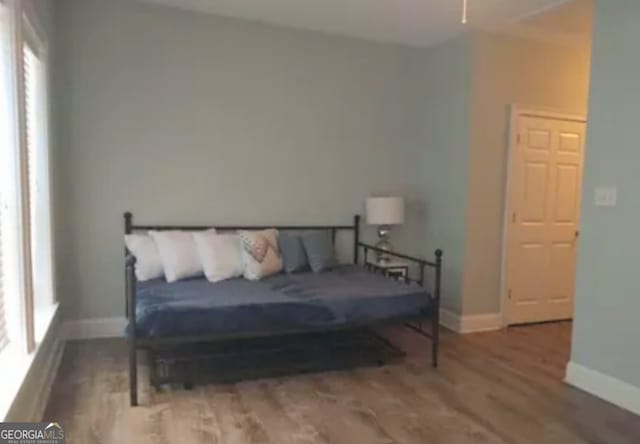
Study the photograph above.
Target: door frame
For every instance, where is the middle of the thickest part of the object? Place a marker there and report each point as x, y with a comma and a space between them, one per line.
515, 112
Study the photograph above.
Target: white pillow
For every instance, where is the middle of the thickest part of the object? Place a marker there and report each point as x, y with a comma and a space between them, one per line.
260, 253
148, 261
180, 258
220, 255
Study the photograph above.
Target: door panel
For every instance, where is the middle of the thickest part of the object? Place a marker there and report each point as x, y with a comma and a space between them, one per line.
567, 198
546, 178
534, 200
561, 265
532, 260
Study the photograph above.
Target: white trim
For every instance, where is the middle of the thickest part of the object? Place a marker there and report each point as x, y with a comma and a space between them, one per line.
94, 328
604, 386
471, 323
33, 376
34, 21
516, 112
39, 404
545, 111
449, 320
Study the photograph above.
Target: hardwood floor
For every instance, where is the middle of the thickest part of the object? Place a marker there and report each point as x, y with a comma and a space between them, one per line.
499, 387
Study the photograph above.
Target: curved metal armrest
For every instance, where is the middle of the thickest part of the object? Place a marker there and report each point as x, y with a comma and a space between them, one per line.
415, 259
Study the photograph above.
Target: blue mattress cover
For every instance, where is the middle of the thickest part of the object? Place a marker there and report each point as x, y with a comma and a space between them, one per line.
284, 302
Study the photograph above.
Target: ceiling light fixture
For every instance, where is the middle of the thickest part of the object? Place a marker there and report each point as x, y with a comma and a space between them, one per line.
464, 11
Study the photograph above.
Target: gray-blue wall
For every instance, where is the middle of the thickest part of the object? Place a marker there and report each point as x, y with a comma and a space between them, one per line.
607, 320
445, 91
182, 117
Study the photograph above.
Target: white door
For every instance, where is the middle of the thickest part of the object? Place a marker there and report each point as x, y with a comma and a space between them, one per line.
543, 217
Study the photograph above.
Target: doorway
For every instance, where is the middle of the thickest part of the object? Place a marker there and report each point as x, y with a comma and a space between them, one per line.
542, 219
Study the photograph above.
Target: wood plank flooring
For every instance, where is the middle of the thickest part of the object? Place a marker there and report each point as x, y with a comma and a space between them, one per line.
499, 387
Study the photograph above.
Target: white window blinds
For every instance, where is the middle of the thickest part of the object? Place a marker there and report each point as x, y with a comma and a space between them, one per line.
35, 107
31, 123
4, 337
7, 154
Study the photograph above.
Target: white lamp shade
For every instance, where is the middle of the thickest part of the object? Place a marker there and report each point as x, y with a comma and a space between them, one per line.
385, 210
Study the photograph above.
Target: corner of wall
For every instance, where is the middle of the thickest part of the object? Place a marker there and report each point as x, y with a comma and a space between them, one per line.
501, 75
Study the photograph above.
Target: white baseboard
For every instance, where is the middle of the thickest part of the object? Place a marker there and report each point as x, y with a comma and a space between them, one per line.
449, 320
471, 323
94, 328
604, 386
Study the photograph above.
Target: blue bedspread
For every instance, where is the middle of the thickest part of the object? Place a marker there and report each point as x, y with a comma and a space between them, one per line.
347, 294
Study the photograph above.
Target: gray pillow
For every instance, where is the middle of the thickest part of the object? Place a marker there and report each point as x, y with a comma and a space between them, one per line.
293, 256
319, 248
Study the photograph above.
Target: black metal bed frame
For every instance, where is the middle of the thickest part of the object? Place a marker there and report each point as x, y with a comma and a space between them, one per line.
135, 343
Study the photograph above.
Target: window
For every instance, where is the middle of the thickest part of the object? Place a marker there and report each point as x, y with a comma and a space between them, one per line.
37, 150
9, 257
26, 276
4, 71
26, 283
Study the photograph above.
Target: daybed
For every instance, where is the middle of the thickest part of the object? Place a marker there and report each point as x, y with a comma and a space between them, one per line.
348, 296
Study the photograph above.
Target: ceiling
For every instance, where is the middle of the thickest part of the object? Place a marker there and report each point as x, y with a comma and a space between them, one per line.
411, 22
573, 17
568, 23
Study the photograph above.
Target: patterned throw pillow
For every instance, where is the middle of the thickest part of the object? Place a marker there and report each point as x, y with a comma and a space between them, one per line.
260, 253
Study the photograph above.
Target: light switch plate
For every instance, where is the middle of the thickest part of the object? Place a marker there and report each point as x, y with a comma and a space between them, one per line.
605, 197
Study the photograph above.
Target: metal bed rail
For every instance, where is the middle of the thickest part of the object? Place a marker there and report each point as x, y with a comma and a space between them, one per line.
135, 343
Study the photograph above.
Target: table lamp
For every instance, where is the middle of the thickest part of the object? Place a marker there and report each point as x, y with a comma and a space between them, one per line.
384, 212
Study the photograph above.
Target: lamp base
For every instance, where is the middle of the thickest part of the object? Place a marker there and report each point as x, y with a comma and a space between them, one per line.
384, 244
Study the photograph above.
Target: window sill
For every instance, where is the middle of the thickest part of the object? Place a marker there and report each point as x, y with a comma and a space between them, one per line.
43, 317
15, 364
